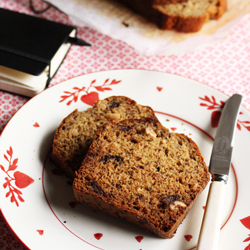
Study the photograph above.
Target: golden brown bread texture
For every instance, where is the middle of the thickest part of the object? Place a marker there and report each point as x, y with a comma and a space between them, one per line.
141, 172
183, 16
164, 1
76, 132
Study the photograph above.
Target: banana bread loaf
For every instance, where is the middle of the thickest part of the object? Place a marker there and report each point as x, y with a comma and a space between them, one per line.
141, 172
183, 16
76, 132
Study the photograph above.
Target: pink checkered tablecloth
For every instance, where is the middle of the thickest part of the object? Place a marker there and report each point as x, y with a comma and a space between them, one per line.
224, 66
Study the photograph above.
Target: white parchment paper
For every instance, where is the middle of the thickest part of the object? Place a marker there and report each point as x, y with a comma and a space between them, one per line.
118, 22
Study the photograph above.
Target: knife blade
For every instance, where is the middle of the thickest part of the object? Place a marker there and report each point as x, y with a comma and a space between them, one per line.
219, 167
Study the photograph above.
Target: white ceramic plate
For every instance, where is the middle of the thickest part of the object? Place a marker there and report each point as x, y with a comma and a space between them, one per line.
37, 200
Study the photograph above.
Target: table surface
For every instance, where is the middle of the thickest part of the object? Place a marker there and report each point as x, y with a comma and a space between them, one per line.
224, 66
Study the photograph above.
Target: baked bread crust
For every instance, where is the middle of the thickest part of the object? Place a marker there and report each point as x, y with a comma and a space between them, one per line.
182, 16
165, 1
76, 132
139, 171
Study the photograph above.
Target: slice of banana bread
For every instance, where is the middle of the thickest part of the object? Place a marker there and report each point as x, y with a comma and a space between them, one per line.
76, 132
183, 16
141, 172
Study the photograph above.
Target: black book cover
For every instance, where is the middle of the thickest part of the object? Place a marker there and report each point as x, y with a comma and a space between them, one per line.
28, 43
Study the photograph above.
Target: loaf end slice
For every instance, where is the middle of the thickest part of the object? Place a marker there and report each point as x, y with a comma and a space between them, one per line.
183, 16
76, 132
189, 16
139, 171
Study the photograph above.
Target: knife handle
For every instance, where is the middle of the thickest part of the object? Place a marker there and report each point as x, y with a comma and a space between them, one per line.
211, 224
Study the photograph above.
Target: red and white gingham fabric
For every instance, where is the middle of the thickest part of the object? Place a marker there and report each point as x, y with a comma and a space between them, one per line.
224, 66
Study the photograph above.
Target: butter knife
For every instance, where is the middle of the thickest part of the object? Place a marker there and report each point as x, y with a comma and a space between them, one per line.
219, 166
